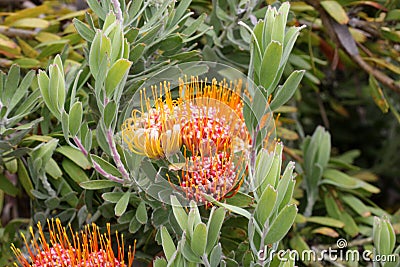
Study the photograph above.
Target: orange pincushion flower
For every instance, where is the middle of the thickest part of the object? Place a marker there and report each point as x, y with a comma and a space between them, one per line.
87, 249
214, 132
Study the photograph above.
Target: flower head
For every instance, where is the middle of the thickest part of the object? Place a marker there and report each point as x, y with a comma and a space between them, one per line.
205, 124
153, 131
89, 248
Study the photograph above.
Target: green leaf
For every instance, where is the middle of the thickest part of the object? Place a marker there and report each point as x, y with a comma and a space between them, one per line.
214, 227
268, 25
377, 95
180, 10
141, 213
284, 182
215, 256
326, 221
75, 118
97, 9
343, 180
105, 165
281, 225
331, 206
98, 184
74, 171
53, 169
7, 186
199, 240
57, 86
100, 48
122, 204
336, 11
116, 75
19, 93
167, 243
75, 155
357, 205
44, 82
266, 204
52, 203
45, 151
240, 200
136, 52
187, 251
284, 93
159, 262
179, 213
134, 225
278, 30
110, 113
31, 23
231, 208
391, 238
193, 218
24, 179
193, 25
350, 226
270, 64
83, 30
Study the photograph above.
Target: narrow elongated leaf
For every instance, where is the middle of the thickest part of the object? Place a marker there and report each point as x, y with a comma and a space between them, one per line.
110, 113
53, 169
281, 225
167, 243
213, 227
141, 213
231, 208
326, 221
7, 187
199, 240
98, 184
270, 64
377, 95
97, 9
75, 155
336, 11
266, 204
105, 165
116, 75
278, 31
22, 90
24, 179
75, 118
122, 204
284, 93
180, 215
83, 30
215, 256
31, 23
74, 171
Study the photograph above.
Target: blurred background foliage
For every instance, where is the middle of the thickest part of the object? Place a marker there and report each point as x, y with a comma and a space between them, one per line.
349, 49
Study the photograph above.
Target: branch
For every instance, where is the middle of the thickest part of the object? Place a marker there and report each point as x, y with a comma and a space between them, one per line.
341, 35
96, 166
115, 155
118, 11
13, 32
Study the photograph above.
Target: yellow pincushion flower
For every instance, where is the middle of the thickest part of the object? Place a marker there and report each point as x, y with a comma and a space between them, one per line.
206, 123
153, 131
